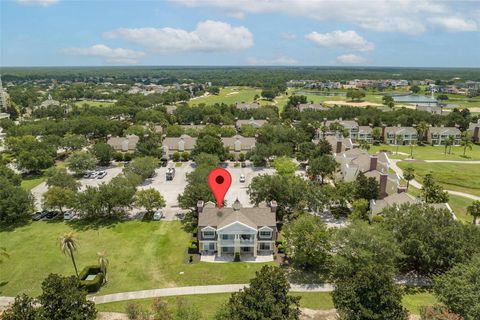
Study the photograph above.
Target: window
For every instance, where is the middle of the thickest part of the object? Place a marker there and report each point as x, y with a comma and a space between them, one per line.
208, 234
228, 236
265, 234
264, 246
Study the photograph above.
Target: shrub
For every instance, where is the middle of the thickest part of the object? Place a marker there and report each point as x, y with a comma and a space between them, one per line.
185, 156
127, 157
237, 257
241, 157
176, 156
118, 156
231, 156
279, 242
194, 231
91, 285
193, 249
281, 248
438, 312
236, 165
377, 219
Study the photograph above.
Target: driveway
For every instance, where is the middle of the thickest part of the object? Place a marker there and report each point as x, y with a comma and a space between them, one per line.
238, 190
112, 172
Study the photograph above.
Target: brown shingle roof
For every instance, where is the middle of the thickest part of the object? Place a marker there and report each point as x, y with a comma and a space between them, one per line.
254, 217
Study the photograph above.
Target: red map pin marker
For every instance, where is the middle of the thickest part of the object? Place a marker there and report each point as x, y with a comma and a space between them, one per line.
219, 180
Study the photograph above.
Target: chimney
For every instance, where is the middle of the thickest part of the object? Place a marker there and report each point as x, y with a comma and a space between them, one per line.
339, 146
476, 134
383, 185
373, 162
273, 206
200, 205
383, 132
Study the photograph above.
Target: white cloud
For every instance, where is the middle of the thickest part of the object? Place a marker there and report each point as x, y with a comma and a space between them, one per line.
455, 24
209, 36
286, 61
351, 59
340, 39
42, 3
116, 56
288, 36
405, 16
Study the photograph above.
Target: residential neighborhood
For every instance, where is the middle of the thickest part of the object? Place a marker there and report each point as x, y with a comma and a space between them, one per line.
239, 160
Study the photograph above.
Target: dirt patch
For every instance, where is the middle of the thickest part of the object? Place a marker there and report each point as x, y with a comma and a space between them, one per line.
352, 103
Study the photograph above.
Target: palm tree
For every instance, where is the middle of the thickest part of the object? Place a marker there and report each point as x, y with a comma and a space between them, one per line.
408, 175
474, 210
422, 129
451, 141
364, 145
398, 140
466, 142
68, 244
103, 263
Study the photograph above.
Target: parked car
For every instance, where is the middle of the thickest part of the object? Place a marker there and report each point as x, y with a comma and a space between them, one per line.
87, 174
126, 164
158, 215
244, 165
164, 162
50, 215
242, 178
69, 214
101, 174
93, 175
39, 215
170, 174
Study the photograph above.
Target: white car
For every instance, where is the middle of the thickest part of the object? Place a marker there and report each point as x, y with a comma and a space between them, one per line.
68, 215
242, 178
158, 215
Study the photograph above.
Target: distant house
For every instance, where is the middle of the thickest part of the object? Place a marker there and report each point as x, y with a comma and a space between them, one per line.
253, 122
354, 161
399, 199
311, 106
474, 130
226, 231
128, 143
239, 143
247, 106
350, 126
409, 135
438, 136
170, 145
365, 133
339, 145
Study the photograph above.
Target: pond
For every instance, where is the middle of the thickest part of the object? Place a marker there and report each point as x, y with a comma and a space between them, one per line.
413, 98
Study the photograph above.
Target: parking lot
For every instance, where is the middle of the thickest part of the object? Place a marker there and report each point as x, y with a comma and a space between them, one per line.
111, 171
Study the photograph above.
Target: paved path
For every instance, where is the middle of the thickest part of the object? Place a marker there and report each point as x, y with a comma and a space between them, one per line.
454, 161
180, 291
418, 185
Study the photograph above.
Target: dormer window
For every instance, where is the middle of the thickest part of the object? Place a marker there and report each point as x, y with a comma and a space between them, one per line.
265, 233
208, 233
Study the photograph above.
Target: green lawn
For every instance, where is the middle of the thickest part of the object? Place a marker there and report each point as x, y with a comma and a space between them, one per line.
143, 255
208, 304
93, 103
430, 152
228, 95
28, 183
462, 177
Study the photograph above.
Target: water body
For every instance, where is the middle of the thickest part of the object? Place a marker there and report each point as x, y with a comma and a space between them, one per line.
323, 94
415, 99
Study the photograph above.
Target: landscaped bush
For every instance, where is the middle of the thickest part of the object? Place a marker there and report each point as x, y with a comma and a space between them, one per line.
236, 165
118, 156
281, 248
185, 156
91, 285
377, 219
338, 212
241, 157
194, 232
237, 257
127, 157
193, 248
279, 242
176, 156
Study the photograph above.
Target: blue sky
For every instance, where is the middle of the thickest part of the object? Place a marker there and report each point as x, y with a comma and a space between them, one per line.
405, 33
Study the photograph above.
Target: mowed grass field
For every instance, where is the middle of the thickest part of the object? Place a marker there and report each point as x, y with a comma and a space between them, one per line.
209, 304
430, 152
143, 255
464, 177
94, 103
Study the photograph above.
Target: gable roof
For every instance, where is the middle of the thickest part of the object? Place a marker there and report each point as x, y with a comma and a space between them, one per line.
401, 130
246, 142
253, 122
444, 130
254, 217
172, 142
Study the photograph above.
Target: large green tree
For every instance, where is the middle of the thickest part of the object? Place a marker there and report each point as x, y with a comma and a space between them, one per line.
143, 167
266, 298
58, 198
307, 242
474, 210
432, 192
459, 288
62, 298
150, 199
323, 166
16, 204
103, 152
59, 177
81, 161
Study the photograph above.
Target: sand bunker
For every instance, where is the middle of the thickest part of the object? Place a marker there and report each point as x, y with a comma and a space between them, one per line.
352, 103
234, 92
